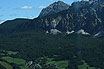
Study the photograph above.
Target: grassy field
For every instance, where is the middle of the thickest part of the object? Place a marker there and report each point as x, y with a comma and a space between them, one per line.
64, 64
85, 66
11, 52
60, 64
14, 60
3, 52
24, 67
6, 65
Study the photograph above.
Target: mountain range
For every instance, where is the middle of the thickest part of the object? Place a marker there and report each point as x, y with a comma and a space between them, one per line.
62, 37
82, 17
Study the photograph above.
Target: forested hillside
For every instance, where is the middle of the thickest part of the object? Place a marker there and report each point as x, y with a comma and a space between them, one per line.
74, 48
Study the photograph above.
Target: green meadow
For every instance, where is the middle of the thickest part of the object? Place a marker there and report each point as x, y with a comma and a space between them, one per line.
14, 60
6, 65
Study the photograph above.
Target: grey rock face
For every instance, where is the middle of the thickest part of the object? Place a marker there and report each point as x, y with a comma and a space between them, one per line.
80, 15
80, 4
54, 8
97, 1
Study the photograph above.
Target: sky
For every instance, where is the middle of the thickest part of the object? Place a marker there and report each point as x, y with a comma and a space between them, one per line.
11, 9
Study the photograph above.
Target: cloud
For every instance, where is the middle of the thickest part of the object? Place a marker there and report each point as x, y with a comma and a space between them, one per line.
30, 16
41, 7
24, 7
51, 0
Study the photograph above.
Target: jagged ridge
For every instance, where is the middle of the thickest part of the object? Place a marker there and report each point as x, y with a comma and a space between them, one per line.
54, 8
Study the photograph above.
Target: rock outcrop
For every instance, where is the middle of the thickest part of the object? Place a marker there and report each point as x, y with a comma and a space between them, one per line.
54, 8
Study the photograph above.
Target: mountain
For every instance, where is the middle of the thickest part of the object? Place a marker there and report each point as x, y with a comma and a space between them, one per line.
97, 0
54, 8
70, 47
82, 15
12, 25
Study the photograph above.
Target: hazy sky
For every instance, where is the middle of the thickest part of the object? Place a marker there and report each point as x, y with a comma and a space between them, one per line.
11, 9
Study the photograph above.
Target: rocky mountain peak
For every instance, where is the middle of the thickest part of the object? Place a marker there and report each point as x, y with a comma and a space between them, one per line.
100, 1
54, 8
82, 16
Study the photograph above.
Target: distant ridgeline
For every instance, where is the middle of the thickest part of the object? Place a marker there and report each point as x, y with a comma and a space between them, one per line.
97, 0
59, 17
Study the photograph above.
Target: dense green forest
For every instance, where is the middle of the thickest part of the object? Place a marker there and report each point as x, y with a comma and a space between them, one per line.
33, 45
